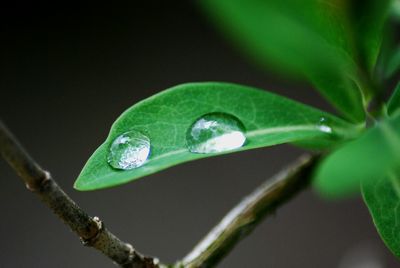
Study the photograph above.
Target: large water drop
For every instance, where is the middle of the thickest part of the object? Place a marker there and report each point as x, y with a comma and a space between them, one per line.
129, 150
214, 133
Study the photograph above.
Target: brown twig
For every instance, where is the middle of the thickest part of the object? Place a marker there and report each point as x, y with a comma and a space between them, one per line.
91, 231
238, 223
243, 218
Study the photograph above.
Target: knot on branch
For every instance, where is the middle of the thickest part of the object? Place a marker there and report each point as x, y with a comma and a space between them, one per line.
138, 260
98, 228
144, 262
37, 184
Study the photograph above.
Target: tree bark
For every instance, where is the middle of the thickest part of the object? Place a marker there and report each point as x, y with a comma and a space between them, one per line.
245, 216
91, 231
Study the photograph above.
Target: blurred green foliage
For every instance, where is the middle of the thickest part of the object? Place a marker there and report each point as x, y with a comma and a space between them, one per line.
375, 153
332, 44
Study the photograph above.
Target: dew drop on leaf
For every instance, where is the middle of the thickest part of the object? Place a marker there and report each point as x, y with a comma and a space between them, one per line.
214, 133
129, 150
323, 126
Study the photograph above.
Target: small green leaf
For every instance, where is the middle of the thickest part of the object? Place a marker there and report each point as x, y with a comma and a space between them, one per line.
382, 198
395, 9
367, 18
365, 159
166, 118
393, 64
303, 38
394, 101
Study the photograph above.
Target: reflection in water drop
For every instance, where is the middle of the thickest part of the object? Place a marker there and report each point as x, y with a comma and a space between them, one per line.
323, 126
129, 150
214, 133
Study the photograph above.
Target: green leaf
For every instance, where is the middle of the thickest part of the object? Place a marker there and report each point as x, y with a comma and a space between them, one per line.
304, 38
382, 197
394, 102
393, 63
395, 9
165, 119
367, 18
365, 159
387, 51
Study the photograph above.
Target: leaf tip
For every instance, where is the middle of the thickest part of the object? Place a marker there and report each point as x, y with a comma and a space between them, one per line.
80, 186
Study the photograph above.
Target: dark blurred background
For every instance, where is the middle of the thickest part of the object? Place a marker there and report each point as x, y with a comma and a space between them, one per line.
68, 71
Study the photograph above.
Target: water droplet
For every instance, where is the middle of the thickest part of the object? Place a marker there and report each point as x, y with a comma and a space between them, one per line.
323, 126
214, 133
129, 150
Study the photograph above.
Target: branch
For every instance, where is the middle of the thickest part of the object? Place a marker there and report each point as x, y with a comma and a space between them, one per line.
243, 218
91, 231
238, 223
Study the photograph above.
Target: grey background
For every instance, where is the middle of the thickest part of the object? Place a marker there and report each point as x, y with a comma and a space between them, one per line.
67, 72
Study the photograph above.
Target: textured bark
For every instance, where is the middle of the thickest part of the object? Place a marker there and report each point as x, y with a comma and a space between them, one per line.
243, 218
90, 230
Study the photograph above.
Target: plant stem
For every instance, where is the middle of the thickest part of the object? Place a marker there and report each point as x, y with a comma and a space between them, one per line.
238, 223
245, 216
91, 231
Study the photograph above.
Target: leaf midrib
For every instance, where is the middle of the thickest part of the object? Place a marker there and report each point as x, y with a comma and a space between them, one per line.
249, 134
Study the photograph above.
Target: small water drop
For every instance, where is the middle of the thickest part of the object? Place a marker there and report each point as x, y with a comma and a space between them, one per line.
323, 126
129, 150
214, 133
